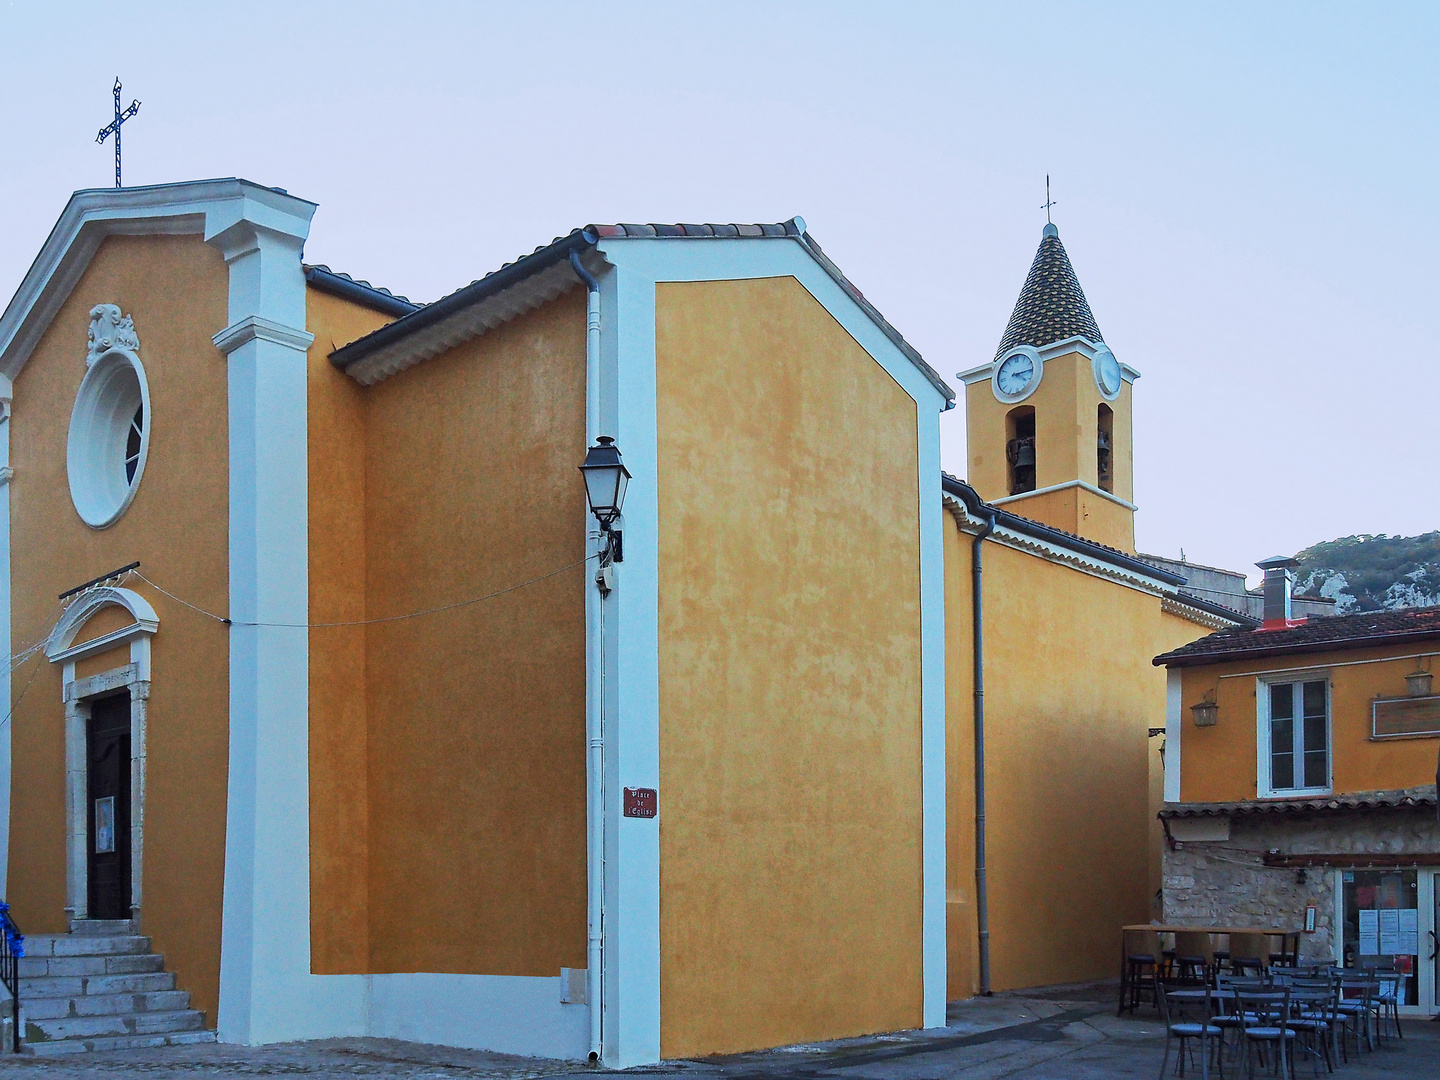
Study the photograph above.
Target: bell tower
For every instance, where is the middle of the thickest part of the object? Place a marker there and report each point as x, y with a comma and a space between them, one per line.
1048, 418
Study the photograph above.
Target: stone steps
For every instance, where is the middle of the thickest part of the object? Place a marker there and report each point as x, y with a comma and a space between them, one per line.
119, 1042
101, 988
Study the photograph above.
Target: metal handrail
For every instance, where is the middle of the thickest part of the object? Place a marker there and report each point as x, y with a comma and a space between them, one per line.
12, 948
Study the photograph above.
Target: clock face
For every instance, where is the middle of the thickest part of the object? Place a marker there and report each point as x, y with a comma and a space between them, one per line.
1015, 374
1107, 373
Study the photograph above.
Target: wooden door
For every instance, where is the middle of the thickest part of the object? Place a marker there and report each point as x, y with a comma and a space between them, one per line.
108, 846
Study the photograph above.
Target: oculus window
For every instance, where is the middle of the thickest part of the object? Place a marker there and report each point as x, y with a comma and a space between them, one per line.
109, 426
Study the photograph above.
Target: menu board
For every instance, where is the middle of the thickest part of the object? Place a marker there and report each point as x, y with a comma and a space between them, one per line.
1390, 931
1409, 931
1369, 932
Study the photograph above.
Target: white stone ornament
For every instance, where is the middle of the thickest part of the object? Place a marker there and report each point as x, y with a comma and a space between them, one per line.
109, 440
110, 330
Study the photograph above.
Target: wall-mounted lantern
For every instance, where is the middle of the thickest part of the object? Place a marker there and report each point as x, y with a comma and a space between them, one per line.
1206, 712
605, 480
1418, 683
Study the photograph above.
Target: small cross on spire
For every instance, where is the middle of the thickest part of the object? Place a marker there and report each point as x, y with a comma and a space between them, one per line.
1049, 202
113, 128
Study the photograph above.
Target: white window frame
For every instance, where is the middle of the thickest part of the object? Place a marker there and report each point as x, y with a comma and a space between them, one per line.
1263, 786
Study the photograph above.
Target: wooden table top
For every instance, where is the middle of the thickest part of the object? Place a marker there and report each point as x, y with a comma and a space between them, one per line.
1167, 928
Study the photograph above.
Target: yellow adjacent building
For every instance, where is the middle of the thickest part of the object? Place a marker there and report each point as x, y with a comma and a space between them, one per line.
350, 707
1300, 785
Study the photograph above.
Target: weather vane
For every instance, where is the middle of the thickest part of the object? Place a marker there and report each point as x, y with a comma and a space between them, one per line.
1049, 202
113, 128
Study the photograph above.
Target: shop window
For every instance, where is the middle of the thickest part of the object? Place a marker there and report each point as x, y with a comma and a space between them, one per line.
1020, 449
1104, 443
1295, 737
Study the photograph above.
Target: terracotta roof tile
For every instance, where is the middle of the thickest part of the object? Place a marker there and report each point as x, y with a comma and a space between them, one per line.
1364, 630
1422, 795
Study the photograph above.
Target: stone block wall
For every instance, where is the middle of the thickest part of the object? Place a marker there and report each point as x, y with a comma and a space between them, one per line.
1225, 882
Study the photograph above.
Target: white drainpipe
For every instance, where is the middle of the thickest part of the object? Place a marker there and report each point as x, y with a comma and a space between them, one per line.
595, 713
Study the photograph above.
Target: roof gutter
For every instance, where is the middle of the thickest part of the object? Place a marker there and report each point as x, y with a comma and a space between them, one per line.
559, 251
327, 281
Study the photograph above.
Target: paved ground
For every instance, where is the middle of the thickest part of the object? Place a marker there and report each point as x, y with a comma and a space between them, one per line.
1063, 1034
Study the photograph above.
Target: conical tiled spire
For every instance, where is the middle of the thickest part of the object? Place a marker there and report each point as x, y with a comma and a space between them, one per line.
1052, 306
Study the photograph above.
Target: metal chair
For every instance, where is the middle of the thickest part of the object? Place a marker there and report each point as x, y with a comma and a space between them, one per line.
1356, 1006
1387, 1000
1174, 1011
1314, 1005
1265, 1026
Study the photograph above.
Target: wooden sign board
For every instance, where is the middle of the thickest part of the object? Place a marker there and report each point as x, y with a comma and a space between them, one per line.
1406, 718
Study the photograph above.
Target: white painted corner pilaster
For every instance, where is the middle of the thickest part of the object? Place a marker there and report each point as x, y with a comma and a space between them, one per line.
267, 991
632, 679
7, 393
933, 778
1174, 729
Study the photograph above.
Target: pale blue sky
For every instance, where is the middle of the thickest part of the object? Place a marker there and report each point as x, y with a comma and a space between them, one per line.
1248, 192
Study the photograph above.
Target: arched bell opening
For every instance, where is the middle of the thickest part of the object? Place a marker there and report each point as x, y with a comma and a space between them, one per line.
1104, 448
1020, 449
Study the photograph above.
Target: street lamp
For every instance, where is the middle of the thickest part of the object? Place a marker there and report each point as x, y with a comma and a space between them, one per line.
605, 479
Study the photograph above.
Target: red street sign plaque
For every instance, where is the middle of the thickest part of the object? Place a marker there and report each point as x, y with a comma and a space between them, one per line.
641, 802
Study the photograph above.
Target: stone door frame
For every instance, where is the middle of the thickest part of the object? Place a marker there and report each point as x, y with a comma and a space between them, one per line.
79, 696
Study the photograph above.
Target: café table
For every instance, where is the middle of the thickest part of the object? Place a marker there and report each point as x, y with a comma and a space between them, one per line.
1289, 943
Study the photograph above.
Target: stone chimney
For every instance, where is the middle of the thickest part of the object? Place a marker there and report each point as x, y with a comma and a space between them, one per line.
1278, 583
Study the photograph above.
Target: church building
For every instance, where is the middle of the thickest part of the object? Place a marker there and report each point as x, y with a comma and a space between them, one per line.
331, 687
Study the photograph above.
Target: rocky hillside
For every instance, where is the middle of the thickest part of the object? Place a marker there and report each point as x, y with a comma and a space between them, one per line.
1368, 573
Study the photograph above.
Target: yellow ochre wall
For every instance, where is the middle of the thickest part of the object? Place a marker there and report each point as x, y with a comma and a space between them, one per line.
339, 805
1218, 764
790, 830
475, 716
1069, 697
176, 289
1066, 405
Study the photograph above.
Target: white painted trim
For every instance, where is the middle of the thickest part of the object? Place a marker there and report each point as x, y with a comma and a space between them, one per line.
1054, 553
1428, 880
509, 1014
208, 207
1337, 935
59, 648
7, 648
1176, 605
934, 776
1331, 666
255, 328
632, 940
1174, 732
1263, 788
267, 990
1077, 344
1091, 488
86, 459
632, 673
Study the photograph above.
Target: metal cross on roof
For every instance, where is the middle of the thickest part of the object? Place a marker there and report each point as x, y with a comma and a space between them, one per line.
1049, 202
113, 128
